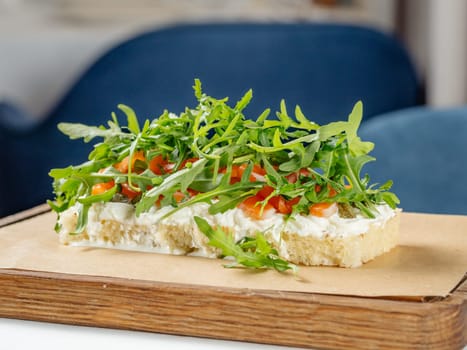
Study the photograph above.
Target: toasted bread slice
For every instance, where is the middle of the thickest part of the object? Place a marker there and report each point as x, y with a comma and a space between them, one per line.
308, 241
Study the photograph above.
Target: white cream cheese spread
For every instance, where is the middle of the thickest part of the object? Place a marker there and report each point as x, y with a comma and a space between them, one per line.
333, 226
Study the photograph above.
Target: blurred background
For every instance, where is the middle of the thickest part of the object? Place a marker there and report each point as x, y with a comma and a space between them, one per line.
46, 44
75, 60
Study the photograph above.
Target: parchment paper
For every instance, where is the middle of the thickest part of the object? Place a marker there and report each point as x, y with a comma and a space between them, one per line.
430, 261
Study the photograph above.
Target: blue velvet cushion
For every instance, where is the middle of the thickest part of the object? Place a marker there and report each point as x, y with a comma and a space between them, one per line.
424, 151
324, 68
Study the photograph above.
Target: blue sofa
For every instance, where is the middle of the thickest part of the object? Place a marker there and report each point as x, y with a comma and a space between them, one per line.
323, 68
423, 151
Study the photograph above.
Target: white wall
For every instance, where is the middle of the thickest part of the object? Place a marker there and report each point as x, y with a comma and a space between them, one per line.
436, 36
447, 52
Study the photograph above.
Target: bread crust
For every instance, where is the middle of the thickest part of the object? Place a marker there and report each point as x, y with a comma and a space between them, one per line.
349, 251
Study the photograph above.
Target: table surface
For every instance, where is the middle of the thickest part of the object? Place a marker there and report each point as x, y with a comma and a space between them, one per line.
19, 334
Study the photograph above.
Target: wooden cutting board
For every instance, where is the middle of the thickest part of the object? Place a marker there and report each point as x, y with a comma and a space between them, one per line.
284, 318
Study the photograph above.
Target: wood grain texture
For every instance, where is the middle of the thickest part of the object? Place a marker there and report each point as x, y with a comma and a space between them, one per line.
292, 319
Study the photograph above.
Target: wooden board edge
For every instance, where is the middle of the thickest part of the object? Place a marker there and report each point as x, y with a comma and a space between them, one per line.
297, 319
23, 215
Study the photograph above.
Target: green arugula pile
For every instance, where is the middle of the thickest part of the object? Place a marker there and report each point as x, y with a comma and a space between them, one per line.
220, 136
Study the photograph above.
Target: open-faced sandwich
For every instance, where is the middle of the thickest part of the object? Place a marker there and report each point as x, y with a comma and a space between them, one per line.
269, 192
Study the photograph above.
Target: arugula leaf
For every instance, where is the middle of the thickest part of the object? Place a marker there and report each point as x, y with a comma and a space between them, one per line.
133, 124
103, 197
180, 177
228, 201
197, 89
244, 101
253, 253
82, 218
327, 131
390, 198
227, 197
304, 123
77, 130
356, 145
61, 173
